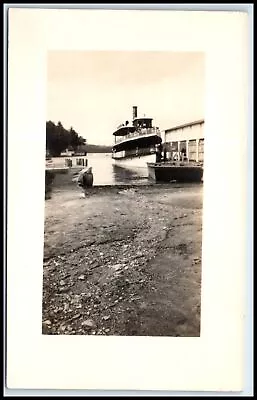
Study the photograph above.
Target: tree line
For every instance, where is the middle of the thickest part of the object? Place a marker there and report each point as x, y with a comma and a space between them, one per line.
94, 148
58, 139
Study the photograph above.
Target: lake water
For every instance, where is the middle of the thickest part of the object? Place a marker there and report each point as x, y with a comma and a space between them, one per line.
105, 173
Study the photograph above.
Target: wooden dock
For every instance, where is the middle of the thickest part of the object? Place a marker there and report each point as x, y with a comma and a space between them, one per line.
175, 171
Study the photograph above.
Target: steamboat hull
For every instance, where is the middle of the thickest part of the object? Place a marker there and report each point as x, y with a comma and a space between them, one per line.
136, 152
139, 162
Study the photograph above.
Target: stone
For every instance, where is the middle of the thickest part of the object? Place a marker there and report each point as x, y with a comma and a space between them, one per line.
47, 322
89, 322
116, 266
106, 317
76, 316
81, 277
62, 282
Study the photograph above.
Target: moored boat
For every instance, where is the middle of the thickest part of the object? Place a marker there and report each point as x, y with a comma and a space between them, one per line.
135, 143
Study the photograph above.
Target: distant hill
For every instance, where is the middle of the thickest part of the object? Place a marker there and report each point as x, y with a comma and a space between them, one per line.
94, 148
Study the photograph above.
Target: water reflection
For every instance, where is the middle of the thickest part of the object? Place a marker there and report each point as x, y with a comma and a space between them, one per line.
106, 173
123, 176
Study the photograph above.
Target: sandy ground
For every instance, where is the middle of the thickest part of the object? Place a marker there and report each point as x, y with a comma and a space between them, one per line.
123, 261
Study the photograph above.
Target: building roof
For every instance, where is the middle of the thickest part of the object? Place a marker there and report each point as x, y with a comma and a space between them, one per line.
198, 122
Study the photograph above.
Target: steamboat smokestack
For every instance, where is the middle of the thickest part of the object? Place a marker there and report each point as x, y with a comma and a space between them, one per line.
134, 112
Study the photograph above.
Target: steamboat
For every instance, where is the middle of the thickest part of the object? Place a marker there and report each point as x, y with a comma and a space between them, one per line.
136, 142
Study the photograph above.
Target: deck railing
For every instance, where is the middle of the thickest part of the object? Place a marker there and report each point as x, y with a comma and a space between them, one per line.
138, 133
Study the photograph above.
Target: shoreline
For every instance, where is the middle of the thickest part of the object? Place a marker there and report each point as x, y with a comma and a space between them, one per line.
147, 185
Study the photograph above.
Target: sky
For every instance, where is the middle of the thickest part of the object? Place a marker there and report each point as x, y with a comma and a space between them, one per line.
94, 91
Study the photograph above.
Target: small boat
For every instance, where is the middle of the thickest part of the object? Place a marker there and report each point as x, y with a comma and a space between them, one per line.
135, 143
175, 171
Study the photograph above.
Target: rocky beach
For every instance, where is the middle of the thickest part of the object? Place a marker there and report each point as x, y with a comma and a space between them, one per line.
123, 260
